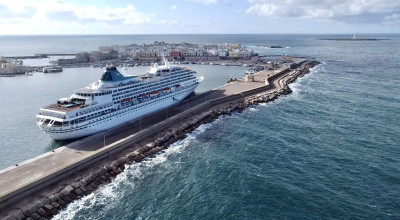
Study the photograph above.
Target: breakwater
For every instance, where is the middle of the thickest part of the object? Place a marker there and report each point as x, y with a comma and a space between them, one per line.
103, 167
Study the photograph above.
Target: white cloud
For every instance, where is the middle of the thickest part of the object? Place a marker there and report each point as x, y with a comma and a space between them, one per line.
392, 19
337, 10
51, 11
206, 2
174, 7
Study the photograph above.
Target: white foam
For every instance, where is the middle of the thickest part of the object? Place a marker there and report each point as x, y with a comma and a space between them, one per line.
106, 194
252, 109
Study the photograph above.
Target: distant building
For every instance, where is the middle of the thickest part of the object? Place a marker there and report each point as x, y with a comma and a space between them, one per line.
245, 53
254, 59
223, 53
175, 54
184, 53
202, 58
233, 53
234, 46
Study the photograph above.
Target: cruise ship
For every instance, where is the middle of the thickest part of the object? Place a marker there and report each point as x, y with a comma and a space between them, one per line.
115, 99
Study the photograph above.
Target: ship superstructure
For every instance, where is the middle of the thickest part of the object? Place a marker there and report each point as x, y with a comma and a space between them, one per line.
115, 99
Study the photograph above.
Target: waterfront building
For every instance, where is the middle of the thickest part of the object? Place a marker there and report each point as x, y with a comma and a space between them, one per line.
184, 53
175, 54
222, 53
245, 53
234, 46
233, 53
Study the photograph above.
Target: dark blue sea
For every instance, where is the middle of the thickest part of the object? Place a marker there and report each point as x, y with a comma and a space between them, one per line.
329, 150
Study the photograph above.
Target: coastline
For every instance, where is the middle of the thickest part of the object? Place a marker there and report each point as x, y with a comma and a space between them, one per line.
104, 171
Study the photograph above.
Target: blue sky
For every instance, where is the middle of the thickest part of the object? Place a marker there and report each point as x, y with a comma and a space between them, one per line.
198, 16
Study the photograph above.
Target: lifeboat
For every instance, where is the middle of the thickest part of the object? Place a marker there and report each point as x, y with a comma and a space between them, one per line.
154, 94
166, 90
177, 86
142, 96
126, 100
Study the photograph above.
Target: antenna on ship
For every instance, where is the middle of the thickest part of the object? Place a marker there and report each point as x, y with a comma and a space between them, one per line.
354, 36
165, 60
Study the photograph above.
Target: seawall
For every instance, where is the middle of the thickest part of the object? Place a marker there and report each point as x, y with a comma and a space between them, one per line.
40, 187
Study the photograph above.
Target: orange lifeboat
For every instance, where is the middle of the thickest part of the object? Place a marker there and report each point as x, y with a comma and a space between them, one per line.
142, 96
166, 90
154, 93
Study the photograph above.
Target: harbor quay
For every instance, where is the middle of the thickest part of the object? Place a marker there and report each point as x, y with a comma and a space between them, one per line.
227, 54
40, 187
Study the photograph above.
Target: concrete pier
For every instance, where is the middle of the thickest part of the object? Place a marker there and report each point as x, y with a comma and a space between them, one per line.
26, 189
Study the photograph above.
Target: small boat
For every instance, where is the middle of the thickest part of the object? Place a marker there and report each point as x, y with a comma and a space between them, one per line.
127, 100
55, 69
142, 96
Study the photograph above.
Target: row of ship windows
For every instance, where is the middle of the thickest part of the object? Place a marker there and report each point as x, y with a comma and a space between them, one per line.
118, 115
94, 94
140, 91
145, 87
165, 83
149, 84
93, 109
83, 119
135, 95
108, 119
174, 74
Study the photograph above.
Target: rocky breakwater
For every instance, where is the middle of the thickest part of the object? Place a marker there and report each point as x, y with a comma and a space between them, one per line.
51, 205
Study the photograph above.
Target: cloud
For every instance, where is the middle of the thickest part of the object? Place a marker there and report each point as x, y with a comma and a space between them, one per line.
53, 11
351, 11
392, 19
127, 15
174, 7
23, 12
207, 2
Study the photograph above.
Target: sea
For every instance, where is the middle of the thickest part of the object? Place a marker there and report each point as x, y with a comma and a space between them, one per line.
329, 150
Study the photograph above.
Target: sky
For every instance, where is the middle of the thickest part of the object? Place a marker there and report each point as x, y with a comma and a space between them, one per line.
31, 17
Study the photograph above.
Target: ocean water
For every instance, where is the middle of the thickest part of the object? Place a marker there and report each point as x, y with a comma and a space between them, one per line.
23, 96
329, 150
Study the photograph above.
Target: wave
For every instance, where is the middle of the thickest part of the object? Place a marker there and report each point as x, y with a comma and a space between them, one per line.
301, 85
107, 194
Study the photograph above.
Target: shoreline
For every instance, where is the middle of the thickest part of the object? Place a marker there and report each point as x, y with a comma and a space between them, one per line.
47, 202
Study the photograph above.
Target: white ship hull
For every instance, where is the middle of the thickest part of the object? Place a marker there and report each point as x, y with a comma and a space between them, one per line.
118, 117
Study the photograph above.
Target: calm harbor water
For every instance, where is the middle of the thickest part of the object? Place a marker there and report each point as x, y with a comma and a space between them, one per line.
330, 150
